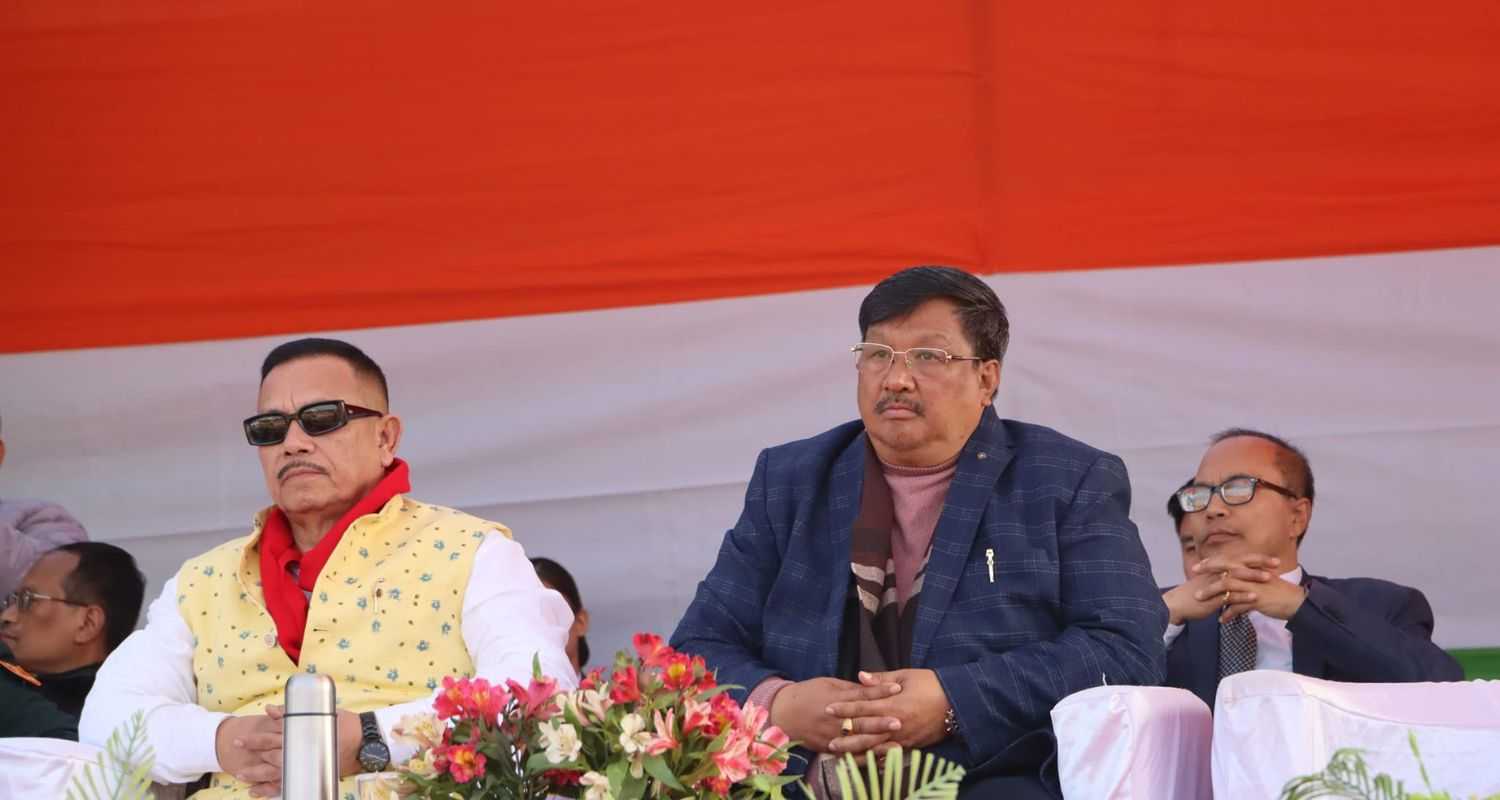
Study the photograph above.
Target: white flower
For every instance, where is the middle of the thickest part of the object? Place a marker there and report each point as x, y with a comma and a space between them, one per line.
594, 701
561, 740
597, 785
423, 730
420, 765
633, 735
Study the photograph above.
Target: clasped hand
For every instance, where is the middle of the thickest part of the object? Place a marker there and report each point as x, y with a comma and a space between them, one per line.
902, 707
249, 748
1232, 586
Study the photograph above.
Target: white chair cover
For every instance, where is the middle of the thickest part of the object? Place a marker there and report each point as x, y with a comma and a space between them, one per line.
1133, 743
44, 768
1272, 726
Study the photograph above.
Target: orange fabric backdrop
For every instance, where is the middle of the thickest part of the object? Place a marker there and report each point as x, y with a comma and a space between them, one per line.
178, 171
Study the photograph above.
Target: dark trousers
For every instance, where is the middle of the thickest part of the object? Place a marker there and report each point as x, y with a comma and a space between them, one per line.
1007, 787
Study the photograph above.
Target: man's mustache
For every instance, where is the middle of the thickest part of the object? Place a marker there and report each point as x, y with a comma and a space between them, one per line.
888, 400
291, 465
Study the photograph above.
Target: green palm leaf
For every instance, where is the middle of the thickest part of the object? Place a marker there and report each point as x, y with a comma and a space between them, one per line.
924, 777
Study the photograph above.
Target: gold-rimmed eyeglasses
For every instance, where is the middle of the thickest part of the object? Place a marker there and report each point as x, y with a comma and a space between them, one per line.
25, 597
875, 359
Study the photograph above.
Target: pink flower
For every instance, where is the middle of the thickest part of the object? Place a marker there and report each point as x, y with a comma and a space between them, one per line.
697, 716
733, 760
663, 740
751, 719
624, 686
536, 699
763, 752
464, 763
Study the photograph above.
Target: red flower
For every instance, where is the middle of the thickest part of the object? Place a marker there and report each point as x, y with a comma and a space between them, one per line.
763, 753
706, 681
718, 785
677, 673
465, 763
624, 686
593, 679
465, 698
562, 777
651, 649
734, 760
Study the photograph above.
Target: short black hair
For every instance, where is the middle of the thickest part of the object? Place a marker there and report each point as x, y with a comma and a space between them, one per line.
106, 576
552, 573
313, 346
980, 311
1174, 508
1289, 459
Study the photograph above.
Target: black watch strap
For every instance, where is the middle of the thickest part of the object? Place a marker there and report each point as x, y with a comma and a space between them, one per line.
372, 746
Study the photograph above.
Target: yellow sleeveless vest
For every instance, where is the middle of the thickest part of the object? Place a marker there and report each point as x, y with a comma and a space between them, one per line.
383, 620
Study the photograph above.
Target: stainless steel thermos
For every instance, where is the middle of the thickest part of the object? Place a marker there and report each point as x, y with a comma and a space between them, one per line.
310, 746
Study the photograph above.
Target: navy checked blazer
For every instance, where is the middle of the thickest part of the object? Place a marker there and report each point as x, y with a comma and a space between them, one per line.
1072, 604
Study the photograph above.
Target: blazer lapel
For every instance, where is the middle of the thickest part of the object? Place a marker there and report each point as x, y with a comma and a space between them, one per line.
984, 457
845, 483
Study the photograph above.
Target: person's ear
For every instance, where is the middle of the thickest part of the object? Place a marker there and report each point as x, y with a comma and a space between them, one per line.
91, 627
581, 622
2, 451
1301, 516
989, 381
389, 431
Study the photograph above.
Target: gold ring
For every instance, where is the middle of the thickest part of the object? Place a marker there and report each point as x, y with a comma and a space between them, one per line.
847, 727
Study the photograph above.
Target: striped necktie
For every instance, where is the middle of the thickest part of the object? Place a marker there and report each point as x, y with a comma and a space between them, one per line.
1236, 646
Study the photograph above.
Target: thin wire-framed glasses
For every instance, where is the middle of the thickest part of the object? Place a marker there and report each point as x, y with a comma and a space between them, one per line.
874, 359
24, 598
1236, 491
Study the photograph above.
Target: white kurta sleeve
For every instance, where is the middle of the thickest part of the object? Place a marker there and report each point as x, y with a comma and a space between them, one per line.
152, 672
509, 617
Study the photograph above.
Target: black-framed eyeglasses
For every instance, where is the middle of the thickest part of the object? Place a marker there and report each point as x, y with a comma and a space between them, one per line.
316, 419
875, 359
24, 598
1236, 491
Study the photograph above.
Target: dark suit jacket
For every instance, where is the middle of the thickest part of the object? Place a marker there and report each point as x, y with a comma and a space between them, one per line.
50, 710
1072, 603
1360, 630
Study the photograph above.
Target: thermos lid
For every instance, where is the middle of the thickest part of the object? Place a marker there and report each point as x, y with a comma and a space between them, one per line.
307, 693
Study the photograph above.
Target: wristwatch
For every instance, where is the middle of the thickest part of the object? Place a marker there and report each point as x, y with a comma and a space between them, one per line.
374, 756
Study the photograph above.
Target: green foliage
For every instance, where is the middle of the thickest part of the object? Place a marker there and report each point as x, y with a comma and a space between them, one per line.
926, 777
123, 769
1347, 776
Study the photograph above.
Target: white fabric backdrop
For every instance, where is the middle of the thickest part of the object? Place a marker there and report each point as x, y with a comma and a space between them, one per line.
619, 441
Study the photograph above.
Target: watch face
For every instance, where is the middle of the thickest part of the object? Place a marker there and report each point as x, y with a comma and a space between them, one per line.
374, 756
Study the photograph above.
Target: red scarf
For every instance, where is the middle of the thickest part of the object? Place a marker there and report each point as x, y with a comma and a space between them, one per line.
286, 597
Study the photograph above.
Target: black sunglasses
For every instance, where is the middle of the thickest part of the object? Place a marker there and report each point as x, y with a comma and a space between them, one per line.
316, 419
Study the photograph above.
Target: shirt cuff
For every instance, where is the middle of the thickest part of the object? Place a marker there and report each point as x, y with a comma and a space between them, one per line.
184, 737
1173, 631
389, 719
764, 694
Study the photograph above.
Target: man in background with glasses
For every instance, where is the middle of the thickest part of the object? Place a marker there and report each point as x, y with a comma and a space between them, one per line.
931, 575
344, 575
1248, 603
74, 606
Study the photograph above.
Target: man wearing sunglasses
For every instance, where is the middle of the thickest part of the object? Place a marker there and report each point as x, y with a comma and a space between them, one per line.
344, 575
931, 575
74, 606
1248, 603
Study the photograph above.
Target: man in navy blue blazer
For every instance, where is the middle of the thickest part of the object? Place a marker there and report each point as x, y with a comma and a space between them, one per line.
1248, 604
931, 575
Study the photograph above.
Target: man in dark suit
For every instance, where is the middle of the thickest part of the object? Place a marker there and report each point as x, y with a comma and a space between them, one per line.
1248, 604
931, 575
